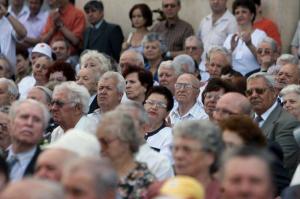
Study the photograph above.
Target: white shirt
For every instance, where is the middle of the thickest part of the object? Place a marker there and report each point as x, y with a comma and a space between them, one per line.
35, 24
18, 170
95, 115
22, 15
215, 34
25, 85
158, 164
195, 113
266, 114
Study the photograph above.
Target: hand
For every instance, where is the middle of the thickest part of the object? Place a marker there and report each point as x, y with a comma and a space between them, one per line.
3, 10
234, 41
246, 37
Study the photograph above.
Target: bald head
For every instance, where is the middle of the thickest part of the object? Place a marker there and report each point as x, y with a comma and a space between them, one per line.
131, 57
231, 103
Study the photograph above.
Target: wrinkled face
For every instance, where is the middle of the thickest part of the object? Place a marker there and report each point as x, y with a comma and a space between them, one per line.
34, 6
38, 95
217, 6
3, 69
86, 78
156, 108
137, 19
265, 55
27, 127
57, 76
108, 96
129, 58
232, 139
246, 178
40, 69
260, 95
243, 16
5, 97
22, 65
288, 74
170, 8
79, 185
216, 62
4, 131
291, 103
134, 89
186, 91
191, 48
94, 16
61, 50
167, 77
94, 65
152, 50
189, 157
210, 100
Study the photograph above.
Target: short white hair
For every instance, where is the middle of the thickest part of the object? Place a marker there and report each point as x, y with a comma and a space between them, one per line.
121, 84
95, 55
185, 59
11, 86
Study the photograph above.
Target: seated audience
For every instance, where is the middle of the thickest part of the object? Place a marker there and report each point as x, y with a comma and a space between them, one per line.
291, 99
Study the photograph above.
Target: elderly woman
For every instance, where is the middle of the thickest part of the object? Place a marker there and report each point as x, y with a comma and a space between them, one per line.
196, 150
40, 69
154, 49
243, 44
94, 60
158, 104
138, 82
119, 142
291, 99
141, 18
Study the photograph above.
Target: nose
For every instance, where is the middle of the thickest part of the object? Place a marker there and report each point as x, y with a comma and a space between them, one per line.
42, 173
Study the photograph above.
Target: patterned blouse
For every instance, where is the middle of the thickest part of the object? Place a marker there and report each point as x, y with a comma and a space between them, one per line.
135, 184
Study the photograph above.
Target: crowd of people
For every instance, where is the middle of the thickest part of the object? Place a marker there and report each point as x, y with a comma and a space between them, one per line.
167, 113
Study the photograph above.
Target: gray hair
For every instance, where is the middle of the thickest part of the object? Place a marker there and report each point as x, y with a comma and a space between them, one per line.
292, 88
151, 37
123, 127
95, 55
46, 91
185, 60
287, 58
222, 50
269, 79
104, 177
76, 93
8, 67
195, 38
136, 110
138, 57
171, 65
271, 42
205, 132
15, 107
119, 79
11, 86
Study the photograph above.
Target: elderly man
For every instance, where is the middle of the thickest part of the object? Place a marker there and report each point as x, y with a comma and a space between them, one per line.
90, 178
215, 27
186, 94
251, 168
131, 57
33, 189
173, 28
5, 139
288, 74
277, 124
29, 119
111, 88
69, 107
8, 92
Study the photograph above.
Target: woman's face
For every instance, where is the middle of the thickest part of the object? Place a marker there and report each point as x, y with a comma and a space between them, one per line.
152, 50
210, 100
40, 69
3, 69
94, 65
134, 89
156, 108
57, 76
291, 103
243, 16
232, 139
22, 65
137, 19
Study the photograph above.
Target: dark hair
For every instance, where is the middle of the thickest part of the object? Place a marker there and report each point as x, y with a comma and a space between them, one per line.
61, 39
257, 2
161, 90
228, 70
22, 52
65, 68
216, 84
98, 5
144, 76
248, 4
4, 169
146, 13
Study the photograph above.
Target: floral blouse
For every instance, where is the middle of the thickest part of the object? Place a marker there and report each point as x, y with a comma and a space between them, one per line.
135, 184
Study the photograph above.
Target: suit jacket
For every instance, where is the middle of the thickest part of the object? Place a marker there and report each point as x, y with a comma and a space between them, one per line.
108, 38
94, 105
279, 127
291, 192
31, 166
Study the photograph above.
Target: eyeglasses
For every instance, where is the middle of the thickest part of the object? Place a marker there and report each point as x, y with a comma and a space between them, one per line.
266, 51
212, 96
258, 91
190, 48
59, 103
106, 142
157, 104
169, 5
184, 86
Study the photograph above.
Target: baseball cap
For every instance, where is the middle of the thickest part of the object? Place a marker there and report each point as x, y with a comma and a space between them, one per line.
43, 48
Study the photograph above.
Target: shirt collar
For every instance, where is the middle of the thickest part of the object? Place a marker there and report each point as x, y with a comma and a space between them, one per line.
24, 157
149, 134
98, 24
266, 114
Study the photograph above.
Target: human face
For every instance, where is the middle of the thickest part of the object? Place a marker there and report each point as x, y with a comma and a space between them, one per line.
137, 19
108, 96
87, 78
291, 103
262, 96
156, 108
57, 76
3, 68
226, 106
189, 157
288, 74
246, 178
79, 185
28, 125
94, 65
134, 89
35, 56
218, 6
170, 8
34, 6
167, 77
40, 69
5, 97
94, 16
61, 50
4, 131
191, 48
152, 50
216, 62
265, 55
243, 16
210, 100
38, 95
231, 139
186, 91
22, 65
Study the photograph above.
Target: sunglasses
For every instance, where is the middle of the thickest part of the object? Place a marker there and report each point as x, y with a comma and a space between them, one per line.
59, 103
169, 5
258, 91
